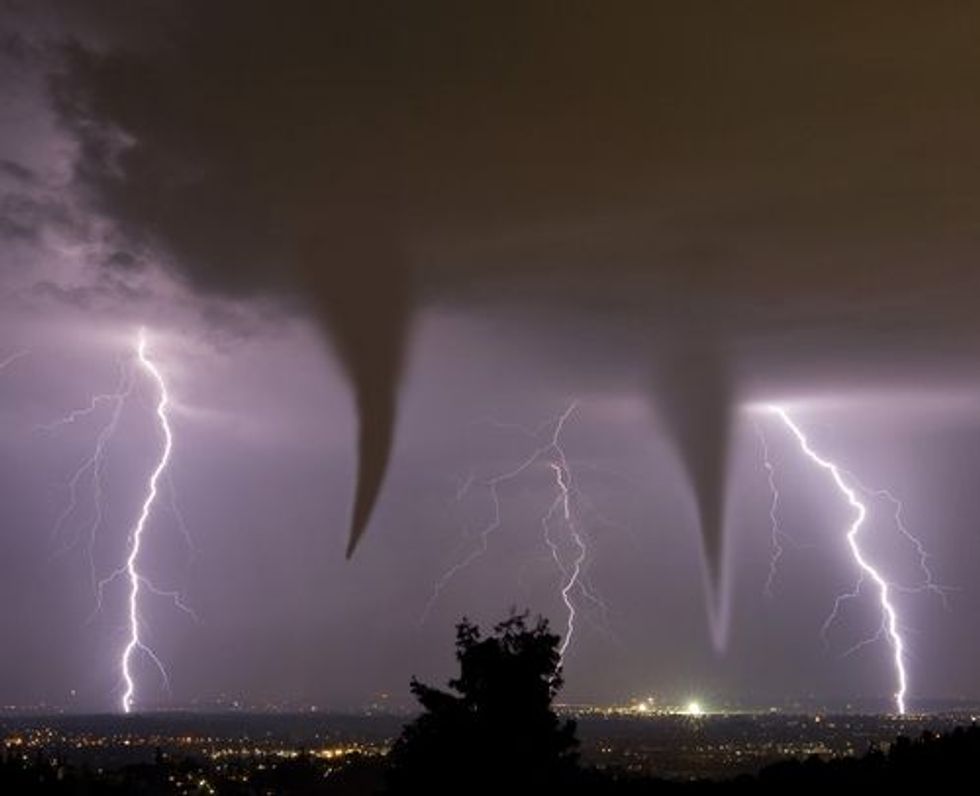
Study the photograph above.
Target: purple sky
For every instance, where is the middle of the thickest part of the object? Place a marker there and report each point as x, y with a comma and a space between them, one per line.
792, 258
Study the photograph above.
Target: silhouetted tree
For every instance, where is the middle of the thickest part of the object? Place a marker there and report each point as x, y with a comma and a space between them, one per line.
498, 730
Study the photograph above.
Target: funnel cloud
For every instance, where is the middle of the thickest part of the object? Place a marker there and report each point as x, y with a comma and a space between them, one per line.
790, 178
696, 411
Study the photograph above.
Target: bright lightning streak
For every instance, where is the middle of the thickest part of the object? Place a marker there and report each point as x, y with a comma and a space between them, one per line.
492, 486
560, 512
135, 642
95, 464
90, 473
923, 556
562, 480
890, 624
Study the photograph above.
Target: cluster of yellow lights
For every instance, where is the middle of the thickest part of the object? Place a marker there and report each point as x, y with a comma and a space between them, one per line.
646, 707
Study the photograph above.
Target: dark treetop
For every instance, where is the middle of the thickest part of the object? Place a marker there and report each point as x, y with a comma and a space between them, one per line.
496, 728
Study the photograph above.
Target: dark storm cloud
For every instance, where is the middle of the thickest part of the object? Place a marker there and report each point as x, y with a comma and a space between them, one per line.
778, 196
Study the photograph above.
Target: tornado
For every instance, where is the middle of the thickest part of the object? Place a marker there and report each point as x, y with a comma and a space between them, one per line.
694, 398
366, 317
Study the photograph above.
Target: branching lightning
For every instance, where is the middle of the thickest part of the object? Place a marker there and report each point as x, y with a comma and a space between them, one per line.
890, 627
779, 538
560, 513
94, 465
159, 485
923, 557
569, 574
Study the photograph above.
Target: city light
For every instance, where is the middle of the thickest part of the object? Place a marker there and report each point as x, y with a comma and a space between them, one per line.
693, 708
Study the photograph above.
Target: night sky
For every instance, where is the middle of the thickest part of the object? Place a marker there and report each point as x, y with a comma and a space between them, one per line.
375, 246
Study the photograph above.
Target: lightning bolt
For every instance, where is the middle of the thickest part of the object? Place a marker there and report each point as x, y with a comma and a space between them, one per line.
159, 485
136, 643
570, 574
890, 628
778, 536
775, 531
929, 583
559, 513
92, 464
